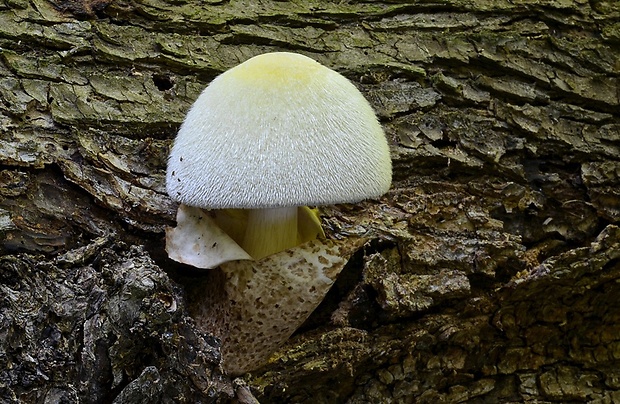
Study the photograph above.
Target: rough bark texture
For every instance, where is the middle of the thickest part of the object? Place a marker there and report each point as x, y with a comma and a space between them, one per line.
493, 269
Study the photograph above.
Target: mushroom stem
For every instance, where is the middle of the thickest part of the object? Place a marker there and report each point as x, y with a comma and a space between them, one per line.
270, 231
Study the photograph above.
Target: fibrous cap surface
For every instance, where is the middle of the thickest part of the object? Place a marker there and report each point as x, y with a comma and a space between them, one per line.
279, 130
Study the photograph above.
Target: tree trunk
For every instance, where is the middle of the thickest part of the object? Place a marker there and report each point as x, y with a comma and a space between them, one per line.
493, 266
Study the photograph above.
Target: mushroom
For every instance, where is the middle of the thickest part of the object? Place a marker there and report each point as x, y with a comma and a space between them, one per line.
263, 141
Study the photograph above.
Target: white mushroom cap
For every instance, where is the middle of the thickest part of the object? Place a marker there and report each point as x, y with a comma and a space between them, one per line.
279, 130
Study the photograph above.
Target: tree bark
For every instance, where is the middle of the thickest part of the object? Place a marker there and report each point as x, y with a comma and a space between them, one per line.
491, 274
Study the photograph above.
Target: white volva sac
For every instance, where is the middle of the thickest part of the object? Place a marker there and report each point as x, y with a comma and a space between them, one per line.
263, 140
255, 306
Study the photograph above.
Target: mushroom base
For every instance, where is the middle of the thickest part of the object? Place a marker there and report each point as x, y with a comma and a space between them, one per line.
255, 306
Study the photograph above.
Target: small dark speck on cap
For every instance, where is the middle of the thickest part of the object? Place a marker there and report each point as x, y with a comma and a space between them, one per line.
181, 158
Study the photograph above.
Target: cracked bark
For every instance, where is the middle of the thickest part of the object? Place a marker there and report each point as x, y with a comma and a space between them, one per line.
492, 271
